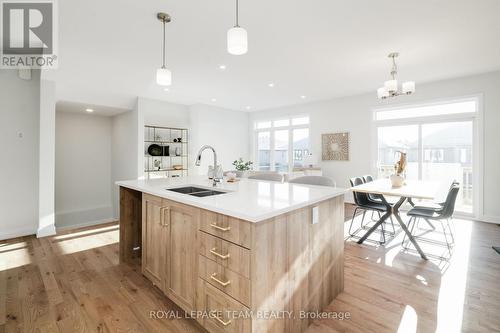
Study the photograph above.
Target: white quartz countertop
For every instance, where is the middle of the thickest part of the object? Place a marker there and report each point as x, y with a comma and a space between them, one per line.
247, 199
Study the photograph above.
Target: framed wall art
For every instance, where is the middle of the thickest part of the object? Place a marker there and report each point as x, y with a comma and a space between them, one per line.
335, 146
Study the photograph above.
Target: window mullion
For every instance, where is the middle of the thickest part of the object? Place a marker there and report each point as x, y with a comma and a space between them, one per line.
271, 149
290, 150
420, 152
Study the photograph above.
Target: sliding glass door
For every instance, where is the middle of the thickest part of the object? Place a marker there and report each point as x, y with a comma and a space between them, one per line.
395, 139
439, 141
447, 156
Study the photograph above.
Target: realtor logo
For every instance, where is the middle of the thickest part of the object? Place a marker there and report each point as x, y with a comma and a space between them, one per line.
28, 34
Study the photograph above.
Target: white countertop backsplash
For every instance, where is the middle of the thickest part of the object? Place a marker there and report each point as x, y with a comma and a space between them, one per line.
248, 199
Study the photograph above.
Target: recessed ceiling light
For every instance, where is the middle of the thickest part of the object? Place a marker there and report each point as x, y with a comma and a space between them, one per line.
222, 67
89, 110
270, 85
303, 97
248, 107
214, 100
165, 89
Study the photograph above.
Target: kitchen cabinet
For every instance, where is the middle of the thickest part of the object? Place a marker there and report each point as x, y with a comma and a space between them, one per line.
169, 256
181, 253
153, 239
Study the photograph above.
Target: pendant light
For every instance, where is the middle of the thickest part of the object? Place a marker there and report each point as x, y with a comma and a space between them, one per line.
237, 37
390, 88
163, 75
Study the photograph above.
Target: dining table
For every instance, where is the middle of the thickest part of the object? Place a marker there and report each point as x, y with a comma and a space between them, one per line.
409, 191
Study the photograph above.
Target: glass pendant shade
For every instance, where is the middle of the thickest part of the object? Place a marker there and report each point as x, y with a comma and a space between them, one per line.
391, 85
408, 87
237, 41
382, 93
163, 77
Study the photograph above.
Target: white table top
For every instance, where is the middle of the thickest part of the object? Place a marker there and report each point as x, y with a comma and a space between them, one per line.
411, 189
249, 199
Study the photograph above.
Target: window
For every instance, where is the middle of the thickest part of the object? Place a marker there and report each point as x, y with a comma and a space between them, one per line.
468, 106
264, 150
438, 140
282, 143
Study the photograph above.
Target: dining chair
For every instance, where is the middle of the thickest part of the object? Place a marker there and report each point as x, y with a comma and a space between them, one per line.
313, 180
436, 206
273, 176
363, 202
442, 214
377, 198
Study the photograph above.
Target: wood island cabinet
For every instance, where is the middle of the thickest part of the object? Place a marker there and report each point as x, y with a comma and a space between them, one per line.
169, 249
238, 271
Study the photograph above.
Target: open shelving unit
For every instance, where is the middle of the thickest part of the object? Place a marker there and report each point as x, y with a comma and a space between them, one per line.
163, 166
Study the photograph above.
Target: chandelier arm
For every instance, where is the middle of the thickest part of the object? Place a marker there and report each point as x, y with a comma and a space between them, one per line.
394, 70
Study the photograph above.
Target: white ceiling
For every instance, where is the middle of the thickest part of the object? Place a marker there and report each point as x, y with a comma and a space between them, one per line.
109, 50
100, 110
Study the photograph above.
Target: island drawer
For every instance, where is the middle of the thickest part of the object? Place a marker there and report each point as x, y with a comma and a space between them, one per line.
226, 227
221, 312
225, 279
226, 254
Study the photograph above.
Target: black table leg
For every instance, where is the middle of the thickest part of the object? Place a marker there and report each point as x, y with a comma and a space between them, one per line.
395, 211
375, 226
390, 211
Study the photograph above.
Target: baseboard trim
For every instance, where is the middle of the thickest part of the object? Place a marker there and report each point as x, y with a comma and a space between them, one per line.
20, 232
86, 224
488, 219
47, 231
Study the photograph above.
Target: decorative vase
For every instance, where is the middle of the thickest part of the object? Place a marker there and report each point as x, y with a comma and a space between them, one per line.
397, 180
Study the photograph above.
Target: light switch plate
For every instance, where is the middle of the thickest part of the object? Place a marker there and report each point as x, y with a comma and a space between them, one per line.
315, 217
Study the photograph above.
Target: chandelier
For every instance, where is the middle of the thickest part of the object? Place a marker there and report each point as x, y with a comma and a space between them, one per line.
390, 88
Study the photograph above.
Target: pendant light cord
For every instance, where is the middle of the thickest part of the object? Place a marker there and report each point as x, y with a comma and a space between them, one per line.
237, 10
163, 54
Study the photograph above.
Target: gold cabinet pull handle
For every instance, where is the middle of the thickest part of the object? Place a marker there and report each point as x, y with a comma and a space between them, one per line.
215, 253
214, 225
222, 283
162, 216
223, 323
167, 209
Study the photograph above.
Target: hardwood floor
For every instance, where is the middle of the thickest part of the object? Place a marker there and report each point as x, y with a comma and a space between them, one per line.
72, 282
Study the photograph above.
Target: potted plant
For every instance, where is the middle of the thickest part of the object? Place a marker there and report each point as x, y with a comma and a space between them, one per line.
242, 167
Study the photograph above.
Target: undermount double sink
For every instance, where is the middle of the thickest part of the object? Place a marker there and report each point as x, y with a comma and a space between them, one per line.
196, 191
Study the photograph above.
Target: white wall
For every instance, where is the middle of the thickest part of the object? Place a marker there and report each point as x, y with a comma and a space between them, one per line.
47, 135
19, 113
354, 114
83, 169
124, 148
161, 113
225, 130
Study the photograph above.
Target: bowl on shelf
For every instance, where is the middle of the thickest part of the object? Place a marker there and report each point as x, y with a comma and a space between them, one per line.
177, 167
155, 150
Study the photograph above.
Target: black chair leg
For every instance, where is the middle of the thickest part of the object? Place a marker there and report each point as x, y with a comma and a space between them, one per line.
382, 234
410, 227
448, 245
363, 218
352, 221
430, 224
451, 229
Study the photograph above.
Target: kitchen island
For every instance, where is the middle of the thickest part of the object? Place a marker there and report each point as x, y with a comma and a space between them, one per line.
257, 257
